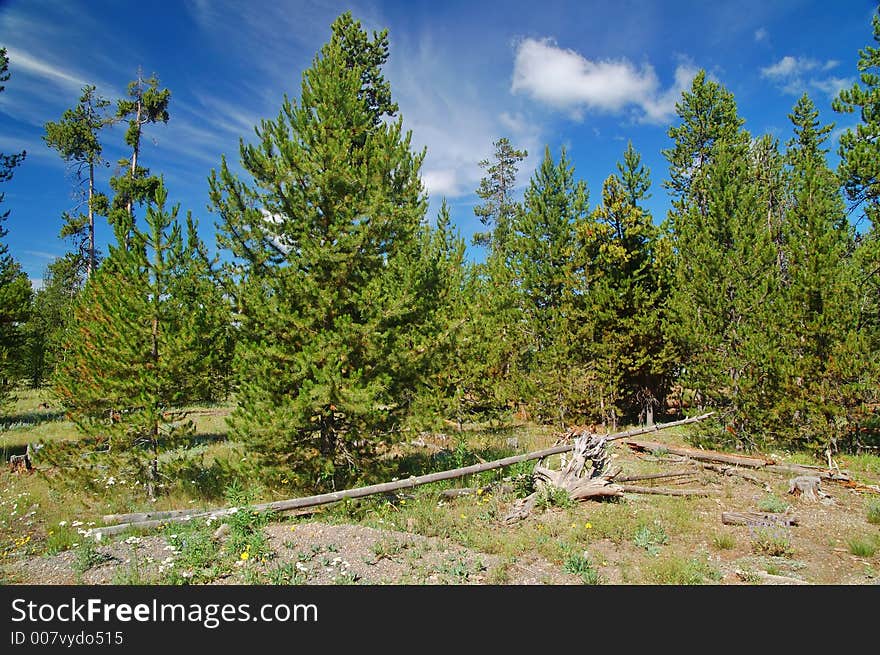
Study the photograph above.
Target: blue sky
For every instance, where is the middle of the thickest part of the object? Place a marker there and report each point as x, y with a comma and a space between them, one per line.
585, 74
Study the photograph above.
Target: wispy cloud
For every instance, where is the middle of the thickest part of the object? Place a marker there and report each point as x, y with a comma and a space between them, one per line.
797, 75
761, 35
41, 254
566, 80
454, 117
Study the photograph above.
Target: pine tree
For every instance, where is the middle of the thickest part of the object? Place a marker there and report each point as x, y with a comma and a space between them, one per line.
859, 171
75, 137
15, 288
146, 104
621, 330
860, 148
543, 259
336, 312
496, 189
493, 328
197, 299
128, 353
51, 311
725, 289
825, 352
452, 379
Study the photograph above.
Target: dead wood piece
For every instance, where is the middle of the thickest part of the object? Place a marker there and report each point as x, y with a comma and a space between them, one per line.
758, 519
661, 491
19, 463
858, 486
769, 578
731, 471
700, 455
652, 476
595, 488
802, 469
807, 486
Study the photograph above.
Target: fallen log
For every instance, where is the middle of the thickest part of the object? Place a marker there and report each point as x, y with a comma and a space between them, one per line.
665, 492
134, 521
804, 469
758, 519
700, 455
770, 578
652, 476
730, 471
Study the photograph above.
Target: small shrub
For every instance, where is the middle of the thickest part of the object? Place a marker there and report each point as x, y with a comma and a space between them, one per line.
60, 539
285, 574
773, 542
650, 538
580, 565
87, 556
550, 496
862, 548
772, 504
246, 538
523, 485
874, 511
724, 541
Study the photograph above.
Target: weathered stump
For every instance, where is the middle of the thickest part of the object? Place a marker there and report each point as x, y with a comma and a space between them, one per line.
806, 486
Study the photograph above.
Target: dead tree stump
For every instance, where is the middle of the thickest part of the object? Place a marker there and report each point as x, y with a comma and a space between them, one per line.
578, 479
806, 486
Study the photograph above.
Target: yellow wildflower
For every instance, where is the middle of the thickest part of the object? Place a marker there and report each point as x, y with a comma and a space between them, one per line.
245, 555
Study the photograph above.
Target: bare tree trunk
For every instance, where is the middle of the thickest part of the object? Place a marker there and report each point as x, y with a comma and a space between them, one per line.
90, 265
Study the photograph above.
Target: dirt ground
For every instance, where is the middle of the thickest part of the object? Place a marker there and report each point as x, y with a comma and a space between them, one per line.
430, 542
321, 553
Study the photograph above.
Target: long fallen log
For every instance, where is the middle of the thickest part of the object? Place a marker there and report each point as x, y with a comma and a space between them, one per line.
701, 455
729, 471
652, 476
631, 489
134, 520
804, 469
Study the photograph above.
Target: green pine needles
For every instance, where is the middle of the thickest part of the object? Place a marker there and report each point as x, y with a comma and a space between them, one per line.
338, 290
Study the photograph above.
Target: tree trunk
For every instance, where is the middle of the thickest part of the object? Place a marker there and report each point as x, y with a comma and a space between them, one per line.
90, 265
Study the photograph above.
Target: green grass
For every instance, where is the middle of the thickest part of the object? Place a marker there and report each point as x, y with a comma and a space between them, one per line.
723, 541
873, 511
676, 570
862, 547
772, 504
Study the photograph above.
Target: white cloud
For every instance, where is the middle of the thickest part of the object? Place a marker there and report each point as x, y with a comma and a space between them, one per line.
566, 80
831, 86
797, 75
788, 66
761, 34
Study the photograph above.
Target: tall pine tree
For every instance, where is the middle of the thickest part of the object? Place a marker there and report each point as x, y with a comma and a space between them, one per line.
820, 318
336, 309
725, 288
15, 288
623, 300
146, 104
130, 356
75, 137
544, 262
